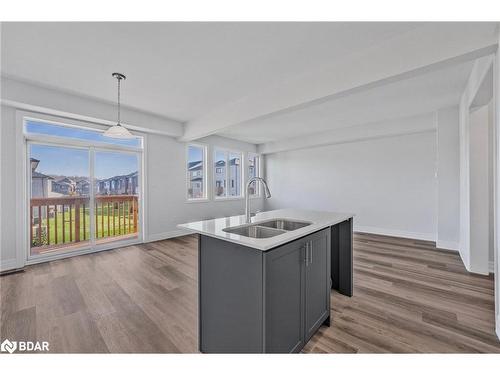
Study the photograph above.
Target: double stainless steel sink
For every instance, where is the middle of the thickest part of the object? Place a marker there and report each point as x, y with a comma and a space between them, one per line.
269, 228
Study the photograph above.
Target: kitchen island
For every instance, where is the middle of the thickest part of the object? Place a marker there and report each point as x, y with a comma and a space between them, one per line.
264, 287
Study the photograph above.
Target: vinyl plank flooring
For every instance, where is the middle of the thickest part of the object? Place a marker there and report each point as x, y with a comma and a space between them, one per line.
409, 297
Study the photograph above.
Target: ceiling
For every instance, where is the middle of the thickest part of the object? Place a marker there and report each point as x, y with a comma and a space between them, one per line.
404, 98
178, 70
193, 72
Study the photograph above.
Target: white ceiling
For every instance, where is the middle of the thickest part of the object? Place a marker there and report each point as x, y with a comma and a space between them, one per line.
179, 70
421, 94
193, 72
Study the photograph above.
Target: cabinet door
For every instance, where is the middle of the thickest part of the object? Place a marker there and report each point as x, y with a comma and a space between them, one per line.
317, 285
284, 282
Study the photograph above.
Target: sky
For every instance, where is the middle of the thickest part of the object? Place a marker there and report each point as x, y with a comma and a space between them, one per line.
71, 132
195, 154
57, 160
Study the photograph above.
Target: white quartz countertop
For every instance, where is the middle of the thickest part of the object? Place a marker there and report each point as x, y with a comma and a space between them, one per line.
214, 227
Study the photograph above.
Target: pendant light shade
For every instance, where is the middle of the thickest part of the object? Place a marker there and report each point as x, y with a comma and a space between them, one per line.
118, 131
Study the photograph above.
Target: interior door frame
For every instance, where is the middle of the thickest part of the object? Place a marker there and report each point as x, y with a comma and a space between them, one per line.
23, 179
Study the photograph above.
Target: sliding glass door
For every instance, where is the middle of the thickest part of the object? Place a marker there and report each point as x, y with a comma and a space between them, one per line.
83, 194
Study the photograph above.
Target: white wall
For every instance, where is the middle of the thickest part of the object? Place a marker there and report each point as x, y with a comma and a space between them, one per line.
167, 187
479, 160
491, 185
8, 192
34, 97
388, 183
448, 172
480, 70
165, 159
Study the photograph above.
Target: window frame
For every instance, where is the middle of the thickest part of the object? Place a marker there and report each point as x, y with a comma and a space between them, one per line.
227, 152
205, 197
23, 177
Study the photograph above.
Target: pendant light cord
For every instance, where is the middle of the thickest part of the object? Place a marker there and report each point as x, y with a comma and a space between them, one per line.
118, 131
119, 79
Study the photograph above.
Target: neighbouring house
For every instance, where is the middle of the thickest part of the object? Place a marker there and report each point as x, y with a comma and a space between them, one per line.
220, 178
252, 173
233, 187
82, 186
195, 172
119, 185
64, 186
41, 184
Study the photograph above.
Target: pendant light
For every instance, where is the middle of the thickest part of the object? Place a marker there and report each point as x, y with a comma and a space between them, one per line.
118, 131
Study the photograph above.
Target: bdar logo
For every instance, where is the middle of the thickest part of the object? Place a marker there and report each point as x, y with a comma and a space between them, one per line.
24, 346
8, 346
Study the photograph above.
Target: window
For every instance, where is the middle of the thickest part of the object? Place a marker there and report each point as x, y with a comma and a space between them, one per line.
76, 204
254, 171
77, 133
196, 164
227, 167
234, 166
220, 173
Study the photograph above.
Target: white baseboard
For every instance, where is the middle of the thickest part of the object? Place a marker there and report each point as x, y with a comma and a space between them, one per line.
7, 265
447, 245
166, 235
465, 260
395, 233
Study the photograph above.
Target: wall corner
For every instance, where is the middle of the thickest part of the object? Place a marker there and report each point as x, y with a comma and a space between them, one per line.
497, 330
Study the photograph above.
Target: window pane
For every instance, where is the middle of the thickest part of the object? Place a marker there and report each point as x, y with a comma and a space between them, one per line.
116, 196
59, 203
195, 172
234, 165
253, 171
220, 173
37, 127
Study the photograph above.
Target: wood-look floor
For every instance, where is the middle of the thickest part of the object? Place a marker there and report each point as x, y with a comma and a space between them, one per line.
408, 297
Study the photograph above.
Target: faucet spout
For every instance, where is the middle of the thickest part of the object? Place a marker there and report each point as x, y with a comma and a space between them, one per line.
247, 195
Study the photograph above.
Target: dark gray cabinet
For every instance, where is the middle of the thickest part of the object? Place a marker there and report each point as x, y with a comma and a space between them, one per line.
284, 299
297, 290
341, 257
230, 297
254, 301
317, 285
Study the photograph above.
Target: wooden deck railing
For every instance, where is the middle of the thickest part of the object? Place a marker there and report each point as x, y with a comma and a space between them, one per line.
64, 220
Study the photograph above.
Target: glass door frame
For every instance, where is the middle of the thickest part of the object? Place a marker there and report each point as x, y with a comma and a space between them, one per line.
91, 147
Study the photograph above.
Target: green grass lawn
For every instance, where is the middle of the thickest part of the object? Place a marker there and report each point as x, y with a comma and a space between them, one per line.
123, 224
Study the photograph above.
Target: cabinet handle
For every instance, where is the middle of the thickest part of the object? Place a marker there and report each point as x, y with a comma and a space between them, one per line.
311, 251
307, 254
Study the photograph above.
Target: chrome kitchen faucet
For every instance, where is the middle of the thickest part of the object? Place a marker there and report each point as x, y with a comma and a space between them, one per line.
247, 196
